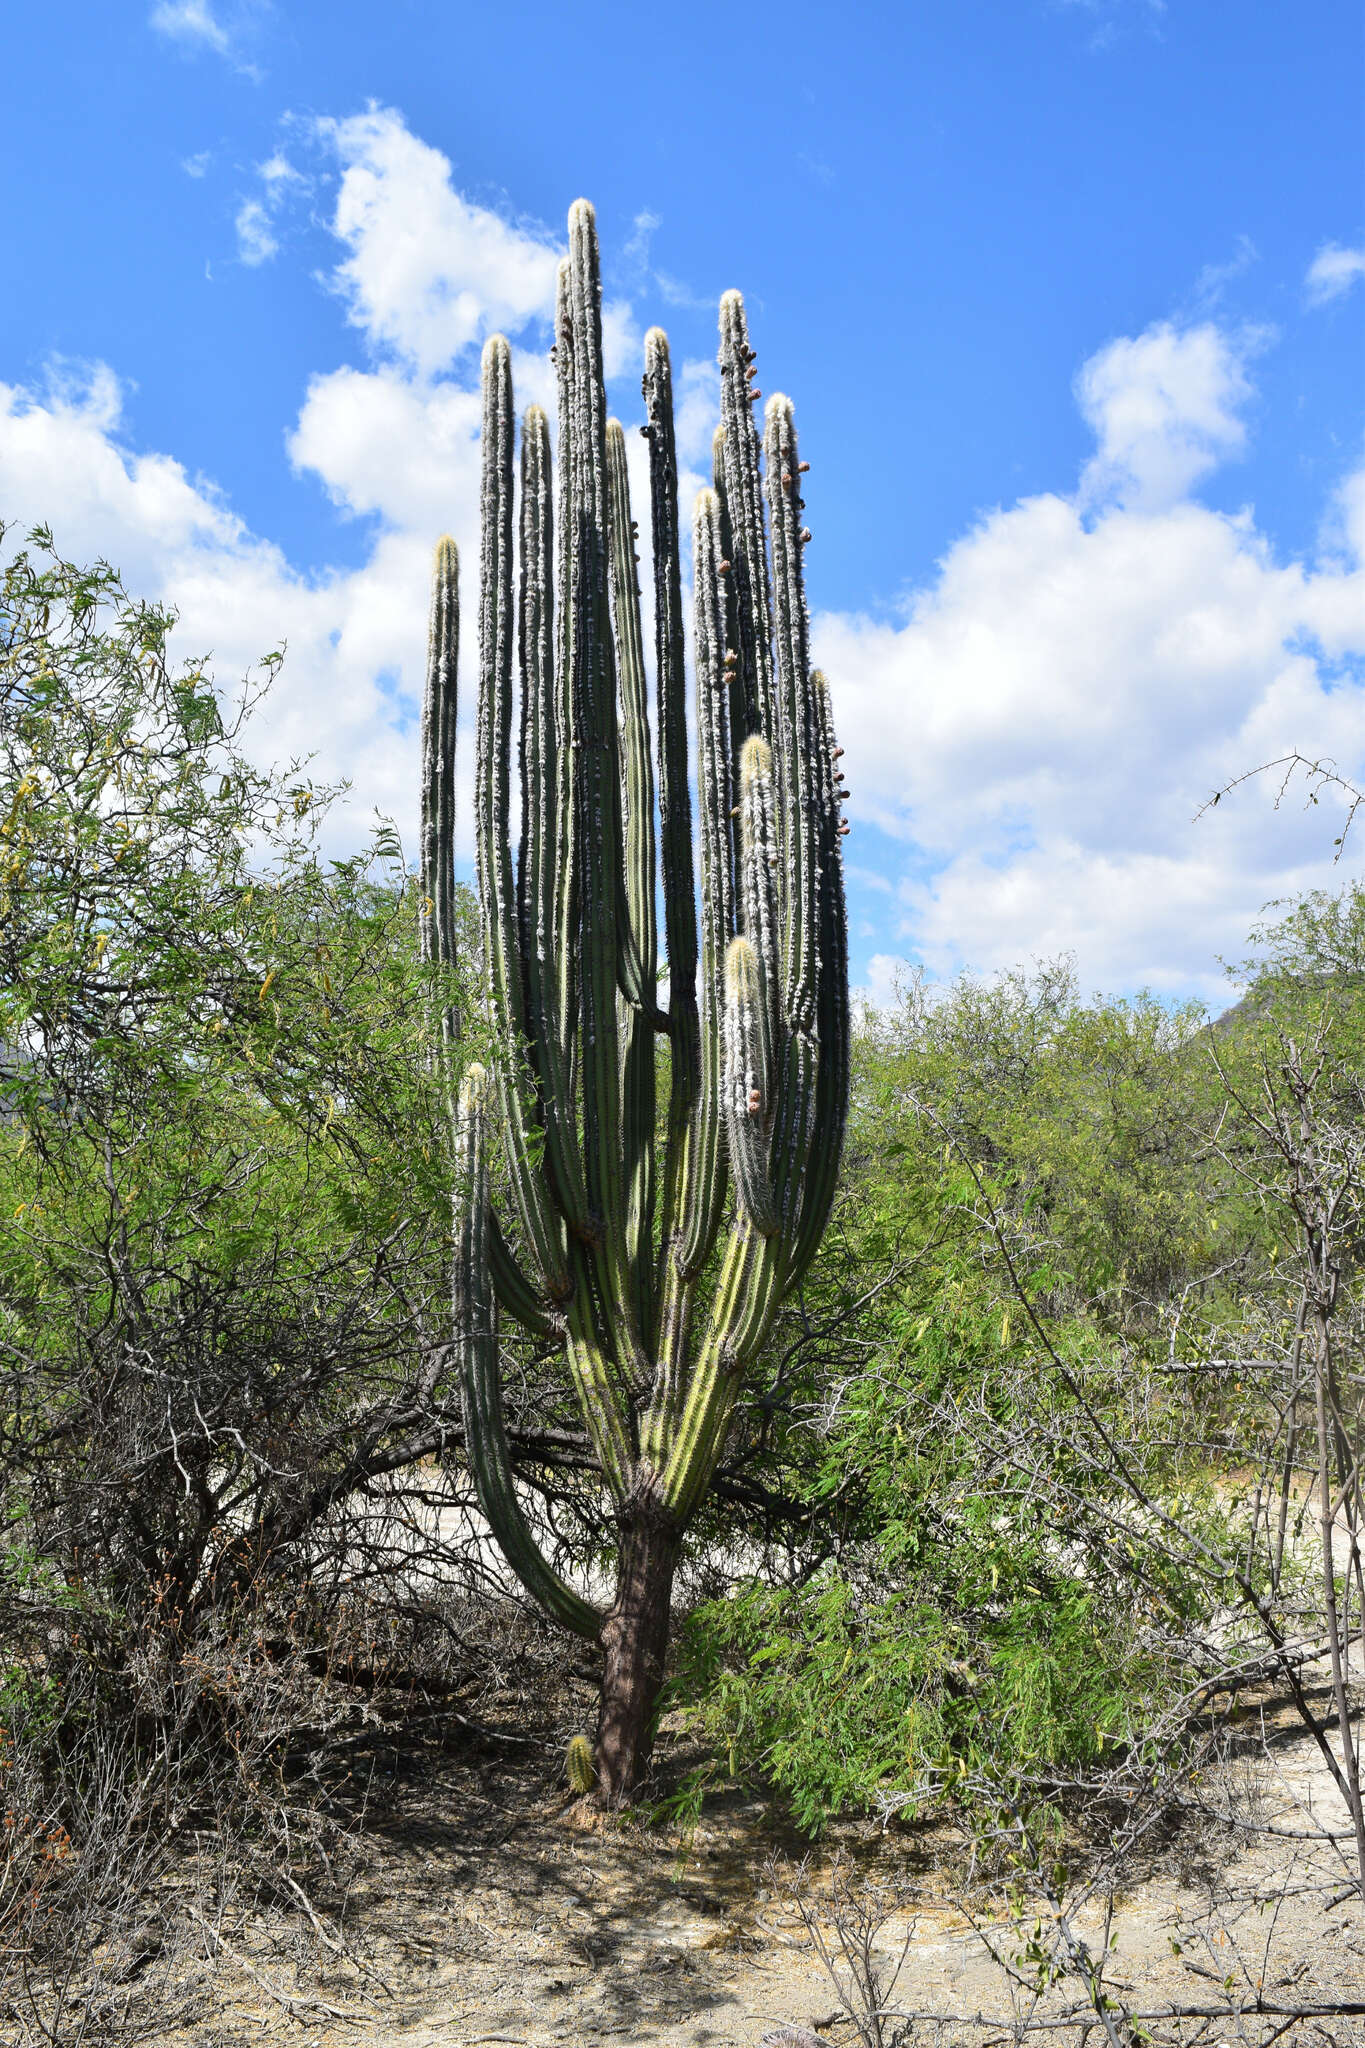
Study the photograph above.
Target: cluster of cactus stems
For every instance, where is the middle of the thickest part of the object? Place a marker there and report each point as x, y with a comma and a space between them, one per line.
656, 1248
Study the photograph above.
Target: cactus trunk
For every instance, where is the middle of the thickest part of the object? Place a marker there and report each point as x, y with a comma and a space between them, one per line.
635, 1646
658, 1258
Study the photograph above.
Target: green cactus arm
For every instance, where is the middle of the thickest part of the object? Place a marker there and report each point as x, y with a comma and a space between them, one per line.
698, 1162
540, 797
476, 1346
439, 707
805, 770
596, 1378
675, 808
744, 506
603, 930
566, 795
637, 1100
748, 1294
741, 1315
514, 1290
539, 1221
704, 1193
758, 882
798, 757
638, 771
832, 1011
701, 1158
743, 701
747, 1085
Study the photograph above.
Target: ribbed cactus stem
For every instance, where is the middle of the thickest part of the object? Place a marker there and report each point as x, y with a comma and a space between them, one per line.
637, 789
602, 926
566, 823
439, 709
744, 717
833, 1028
540, 1223
579, 1768
758, 878
675, 803
748, 1085
798, 750
543, 802
744, 509
476, 1348
705, 1190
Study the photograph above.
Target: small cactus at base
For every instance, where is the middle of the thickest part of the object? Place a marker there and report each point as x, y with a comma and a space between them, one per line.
579, 1768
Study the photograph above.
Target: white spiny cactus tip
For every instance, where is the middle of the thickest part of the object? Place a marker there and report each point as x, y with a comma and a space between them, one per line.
497, 353
616, 432
582, 217
447, 555
656, 347
755, 760
741, 972
706, 504
731, 302
779, 406
533, 419
473, 1088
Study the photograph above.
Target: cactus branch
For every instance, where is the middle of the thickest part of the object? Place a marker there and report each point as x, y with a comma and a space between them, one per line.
476, 1346
439, 707
540, 1223
675, 802
744, 508
637, 777
748, 1086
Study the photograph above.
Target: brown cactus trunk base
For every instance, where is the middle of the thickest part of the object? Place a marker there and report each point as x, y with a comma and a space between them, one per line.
635, 1642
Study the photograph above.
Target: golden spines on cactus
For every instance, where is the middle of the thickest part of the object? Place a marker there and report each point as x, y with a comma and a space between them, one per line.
579, 1768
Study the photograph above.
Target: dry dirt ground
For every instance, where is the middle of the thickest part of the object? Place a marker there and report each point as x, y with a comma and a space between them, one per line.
490, 1908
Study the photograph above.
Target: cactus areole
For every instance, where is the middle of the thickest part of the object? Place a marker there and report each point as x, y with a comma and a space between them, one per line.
656, 1249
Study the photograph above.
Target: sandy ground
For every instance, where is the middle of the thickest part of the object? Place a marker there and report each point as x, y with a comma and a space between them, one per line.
493, 1909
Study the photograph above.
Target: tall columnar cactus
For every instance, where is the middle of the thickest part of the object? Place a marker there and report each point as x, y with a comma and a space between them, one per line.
659, 1262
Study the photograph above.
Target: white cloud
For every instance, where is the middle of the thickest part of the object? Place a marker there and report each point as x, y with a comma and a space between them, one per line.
1332, 273
354, 639
258, 218
643, 229
190, 22
1111, 16
196, 166
256, 238
882, 985
1164, 407
394, 444
1041, 724
277, 173
428, 273
1213, 279
696, 403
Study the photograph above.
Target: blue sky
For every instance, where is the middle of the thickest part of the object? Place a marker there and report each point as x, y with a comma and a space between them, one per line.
1070, 295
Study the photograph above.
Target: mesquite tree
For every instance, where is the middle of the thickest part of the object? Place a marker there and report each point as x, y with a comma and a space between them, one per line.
654, 1241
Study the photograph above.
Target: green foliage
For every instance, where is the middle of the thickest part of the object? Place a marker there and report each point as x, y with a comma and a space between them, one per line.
1029, 1197
221, 1162
836, 1696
